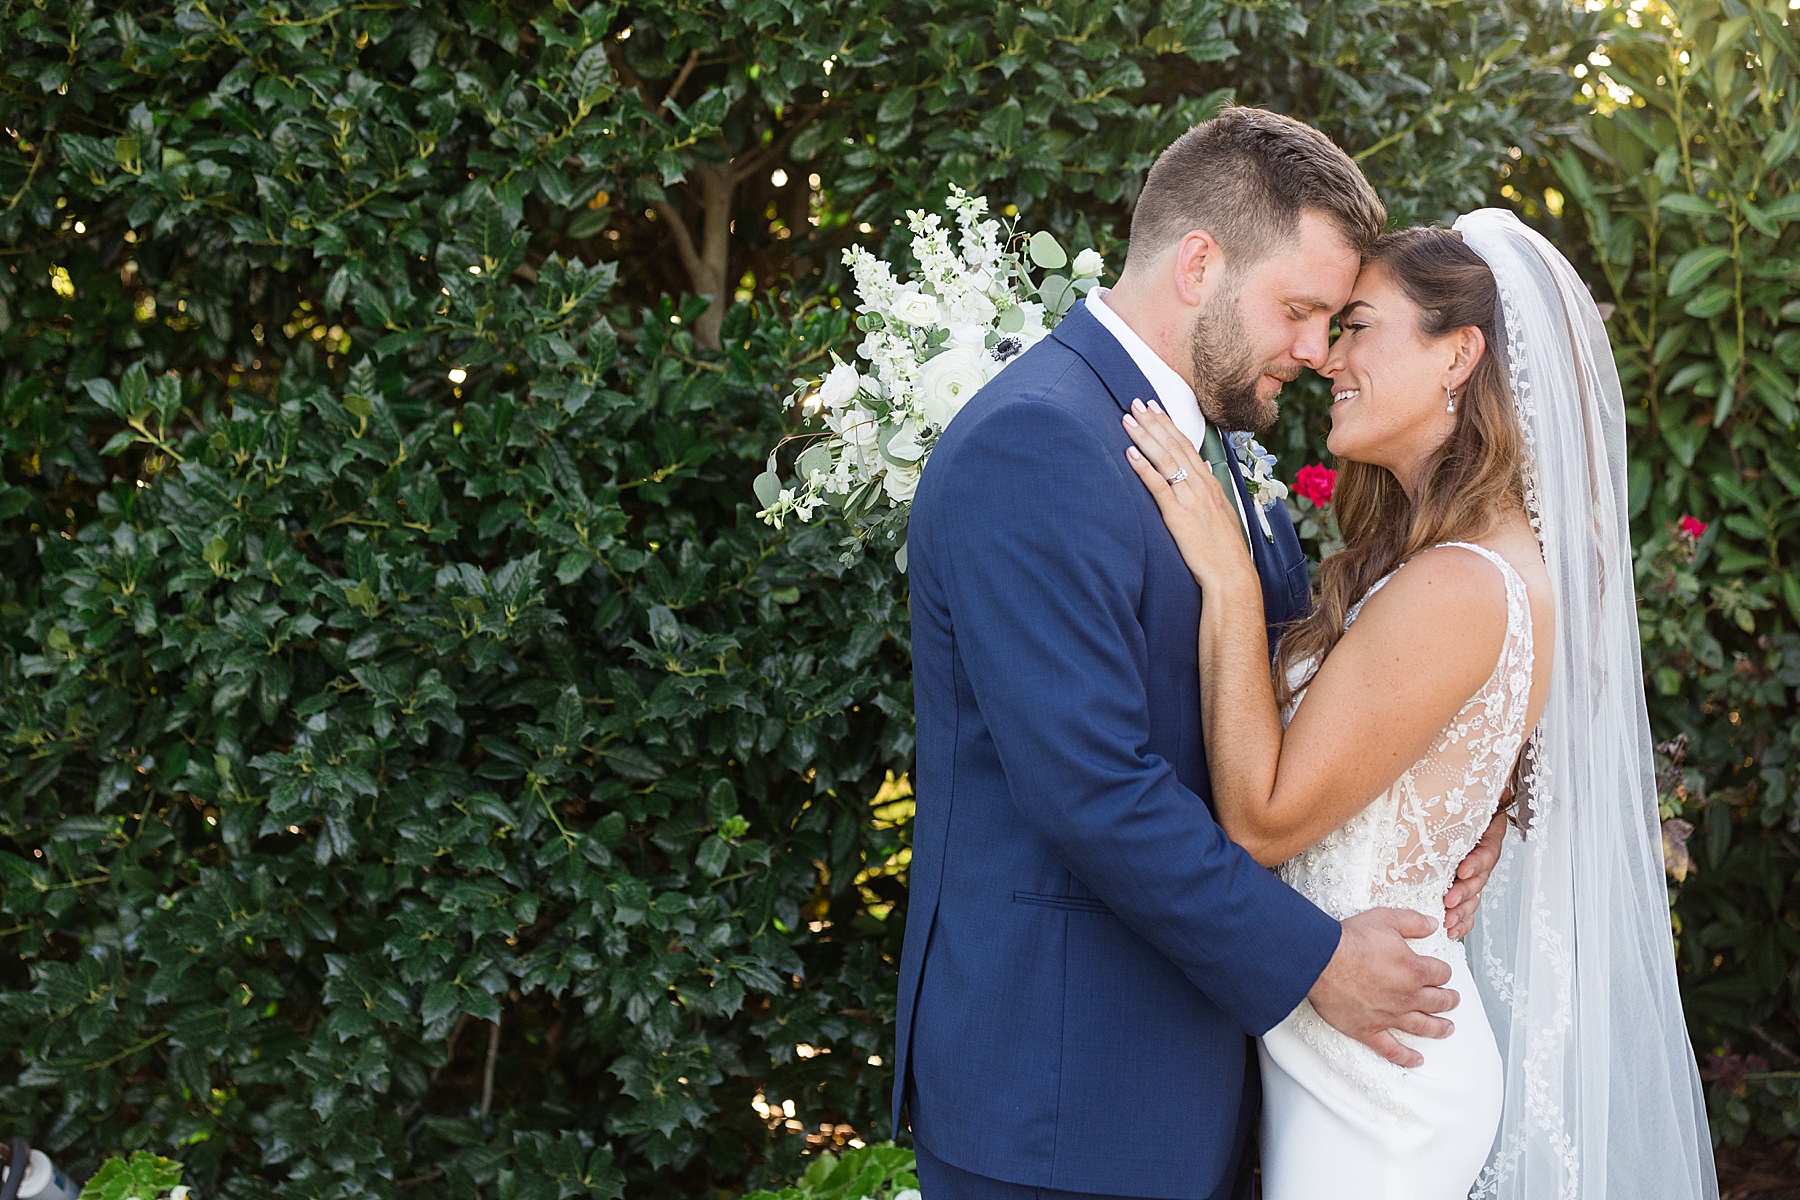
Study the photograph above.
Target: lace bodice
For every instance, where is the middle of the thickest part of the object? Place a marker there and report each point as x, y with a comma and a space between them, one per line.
1402, 851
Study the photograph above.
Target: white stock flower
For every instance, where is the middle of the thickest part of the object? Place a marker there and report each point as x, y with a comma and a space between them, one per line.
947, 382
973, 307
1088, 264
839, 386
915, 308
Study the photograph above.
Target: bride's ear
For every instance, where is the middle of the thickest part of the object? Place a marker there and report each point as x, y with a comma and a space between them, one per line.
1470, 344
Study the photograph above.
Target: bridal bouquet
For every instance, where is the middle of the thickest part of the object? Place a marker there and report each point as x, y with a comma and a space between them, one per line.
929, 344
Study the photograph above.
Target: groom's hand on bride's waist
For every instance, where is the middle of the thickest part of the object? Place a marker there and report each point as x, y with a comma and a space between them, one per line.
1375, 984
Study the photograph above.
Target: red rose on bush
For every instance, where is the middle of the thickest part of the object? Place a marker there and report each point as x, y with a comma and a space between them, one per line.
1316, 483
1693, 528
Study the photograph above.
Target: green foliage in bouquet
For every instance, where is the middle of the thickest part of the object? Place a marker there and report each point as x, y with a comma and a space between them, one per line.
879, 1172
142, 1176
1686, 186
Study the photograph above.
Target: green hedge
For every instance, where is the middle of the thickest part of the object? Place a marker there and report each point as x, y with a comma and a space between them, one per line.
1686, 186
421, 772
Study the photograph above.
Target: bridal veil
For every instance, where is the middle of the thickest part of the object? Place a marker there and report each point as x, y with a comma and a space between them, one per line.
1572, 951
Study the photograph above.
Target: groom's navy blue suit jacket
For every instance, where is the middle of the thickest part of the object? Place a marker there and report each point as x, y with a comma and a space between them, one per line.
1085, 949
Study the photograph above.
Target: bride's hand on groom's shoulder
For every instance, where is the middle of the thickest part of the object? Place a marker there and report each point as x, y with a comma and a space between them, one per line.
1200, 516
1375, 985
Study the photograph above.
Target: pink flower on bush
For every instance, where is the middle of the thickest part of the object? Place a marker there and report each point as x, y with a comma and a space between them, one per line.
1692, 528
1316, 482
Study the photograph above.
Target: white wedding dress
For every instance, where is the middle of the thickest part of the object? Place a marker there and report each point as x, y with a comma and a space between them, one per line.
1339, 1121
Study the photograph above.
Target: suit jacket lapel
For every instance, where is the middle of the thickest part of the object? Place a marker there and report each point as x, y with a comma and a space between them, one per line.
1082, 332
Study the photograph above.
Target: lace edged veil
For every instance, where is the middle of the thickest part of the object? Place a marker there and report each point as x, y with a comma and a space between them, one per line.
1572, 952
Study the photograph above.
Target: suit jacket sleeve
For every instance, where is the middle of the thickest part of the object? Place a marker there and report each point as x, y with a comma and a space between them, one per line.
1041, 553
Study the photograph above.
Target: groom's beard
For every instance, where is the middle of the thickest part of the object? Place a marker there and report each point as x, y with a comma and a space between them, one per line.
1225, 373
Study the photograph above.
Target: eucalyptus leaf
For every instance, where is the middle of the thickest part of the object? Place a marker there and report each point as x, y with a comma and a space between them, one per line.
1047, 252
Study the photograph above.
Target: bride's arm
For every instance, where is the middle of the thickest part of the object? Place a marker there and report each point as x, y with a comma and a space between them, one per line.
1420, 648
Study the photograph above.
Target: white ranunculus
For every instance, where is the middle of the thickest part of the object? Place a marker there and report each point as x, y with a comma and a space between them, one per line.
1088, 264
839, 387
950, 380
915, 308
901, 482
968, 333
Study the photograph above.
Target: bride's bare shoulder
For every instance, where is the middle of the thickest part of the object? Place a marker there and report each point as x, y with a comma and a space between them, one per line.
1443, 612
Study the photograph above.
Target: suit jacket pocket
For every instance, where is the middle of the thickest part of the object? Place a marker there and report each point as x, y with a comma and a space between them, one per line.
1068, 903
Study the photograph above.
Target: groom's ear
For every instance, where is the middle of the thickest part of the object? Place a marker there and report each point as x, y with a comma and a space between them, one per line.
1198, 265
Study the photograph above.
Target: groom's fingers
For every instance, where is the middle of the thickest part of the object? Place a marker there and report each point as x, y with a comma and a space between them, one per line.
1425, 1025
1394, 1050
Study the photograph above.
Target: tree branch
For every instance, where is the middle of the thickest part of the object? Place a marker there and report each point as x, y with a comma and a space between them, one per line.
684, 243
487, 1072
687, 70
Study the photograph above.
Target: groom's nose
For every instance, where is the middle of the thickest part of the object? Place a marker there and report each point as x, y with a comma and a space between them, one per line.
1313, 342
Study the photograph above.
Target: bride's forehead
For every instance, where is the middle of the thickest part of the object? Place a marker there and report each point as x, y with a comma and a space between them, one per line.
1373, 283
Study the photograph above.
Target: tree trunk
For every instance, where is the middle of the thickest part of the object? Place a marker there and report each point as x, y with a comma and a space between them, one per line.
707, 261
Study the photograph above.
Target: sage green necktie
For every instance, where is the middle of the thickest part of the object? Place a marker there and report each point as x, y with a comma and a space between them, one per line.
1212, 449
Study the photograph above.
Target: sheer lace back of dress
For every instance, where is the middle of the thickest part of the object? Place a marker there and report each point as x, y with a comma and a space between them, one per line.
1431, 817
1402, 851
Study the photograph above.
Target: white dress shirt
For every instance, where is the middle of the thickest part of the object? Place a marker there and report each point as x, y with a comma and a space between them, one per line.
1172, 391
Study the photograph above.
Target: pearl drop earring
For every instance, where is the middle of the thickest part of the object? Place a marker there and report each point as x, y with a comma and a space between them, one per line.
1450, 392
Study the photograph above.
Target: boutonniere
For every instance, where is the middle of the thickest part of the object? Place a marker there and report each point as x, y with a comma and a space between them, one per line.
1259, 477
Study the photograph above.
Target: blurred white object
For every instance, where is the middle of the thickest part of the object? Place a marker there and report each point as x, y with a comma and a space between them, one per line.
43, 1180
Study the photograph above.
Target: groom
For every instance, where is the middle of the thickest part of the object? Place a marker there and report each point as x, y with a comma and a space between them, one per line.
1086, 952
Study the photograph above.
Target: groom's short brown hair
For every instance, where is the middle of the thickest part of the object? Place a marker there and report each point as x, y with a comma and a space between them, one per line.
1245, 177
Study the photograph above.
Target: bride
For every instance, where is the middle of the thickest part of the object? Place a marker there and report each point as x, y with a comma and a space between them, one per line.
1474, 648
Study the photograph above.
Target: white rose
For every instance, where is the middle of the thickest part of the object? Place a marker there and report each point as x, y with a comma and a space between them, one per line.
839, 387
968, 333
1088, 264
856, 426
915, 308
948, 381
901, 482
1034, 320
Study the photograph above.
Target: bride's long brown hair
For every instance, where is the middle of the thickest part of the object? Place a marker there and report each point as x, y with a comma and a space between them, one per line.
1473, 477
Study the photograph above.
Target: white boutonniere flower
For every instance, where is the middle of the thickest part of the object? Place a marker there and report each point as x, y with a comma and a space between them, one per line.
1259, 477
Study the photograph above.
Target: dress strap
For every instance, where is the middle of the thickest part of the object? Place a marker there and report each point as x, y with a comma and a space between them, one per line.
1515, 583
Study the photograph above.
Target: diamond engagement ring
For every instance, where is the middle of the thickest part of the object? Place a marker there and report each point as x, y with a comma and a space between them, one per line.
1180, 474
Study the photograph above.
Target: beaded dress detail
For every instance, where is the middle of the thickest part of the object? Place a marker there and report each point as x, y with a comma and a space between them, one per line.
1402, 851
